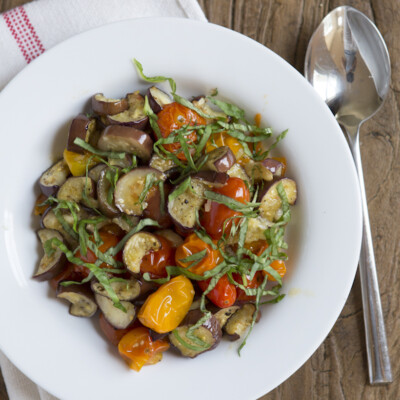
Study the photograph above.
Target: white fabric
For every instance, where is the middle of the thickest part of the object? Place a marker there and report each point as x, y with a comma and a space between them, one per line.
54, 21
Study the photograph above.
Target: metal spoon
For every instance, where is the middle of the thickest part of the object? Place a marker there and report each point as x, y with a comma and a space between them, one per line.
348, 64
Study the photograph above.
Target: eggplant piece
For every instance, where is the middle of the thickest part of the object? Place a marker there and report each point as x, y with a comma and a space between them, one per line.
116, 317
161, 164
103, 189
220, 159
126, 222
276, 167
50, 266
240, 321
153, 209
126, 139
157, 99
83, 128
271, 203
237, 171
53, 178
130, 187
171, 236
81, 299
212, 178
94, 173
104, 106
73, 188
125, 291
202, 104
223, 314
258, 172
125, 162
210, 333
256, 228
139, 245
184, 208
134, 116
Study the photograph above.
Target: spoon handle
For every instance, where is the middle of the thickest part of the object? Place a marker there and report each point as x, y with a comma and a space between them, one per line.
377, 350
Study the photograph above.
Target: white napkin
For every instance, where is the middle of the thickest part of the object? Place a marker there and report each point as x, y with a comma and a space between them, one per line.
28, 31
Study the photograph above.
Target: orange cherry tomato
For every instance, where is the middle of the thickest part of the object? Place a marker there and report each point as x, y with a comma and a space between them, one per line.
165, 309
219, 215
223, 139
109, 240
155, 262
258, 247
39, 210
138, 349
251, 284
224, 293
114, 335
77, 162
174, 116
193, 244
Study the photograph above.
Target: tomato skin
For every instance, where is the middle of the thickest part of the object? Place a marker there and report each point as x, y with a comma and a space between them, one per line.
165, 309
109, 240
224, 293
155, 262
214, 219
137, 348
174, 116
251, 284
193, 244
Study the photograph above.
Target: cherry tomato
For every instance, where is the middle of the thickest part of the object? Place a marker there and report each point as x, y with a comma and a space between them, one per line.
174, 116
251, 284
193, 244
223, 139
138, 349
155, 262
219, 215
224, 293
109, 240
69, 273
165, 309
258, 247
40, 210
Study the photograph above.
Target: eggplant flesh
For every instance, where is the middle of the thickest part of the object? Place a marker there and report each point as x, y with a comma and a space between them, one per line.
157, 99
125, 291
240, 321
53, 178
116, 317
81, 299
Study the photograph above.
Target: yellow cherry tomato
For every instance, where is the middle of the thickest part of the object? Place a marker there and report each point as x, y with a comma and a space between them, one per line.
223, 139
77, 162
165, 309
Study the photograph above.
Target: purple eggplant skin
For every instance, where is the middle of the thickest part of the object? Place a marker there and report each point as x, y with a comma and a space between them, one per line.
275, 166
240, 321
157, 99
103, 106
220, 159
83, 128
126, 139
210, 331
54, 177
212, 178
50, 266
81, 299
103, 186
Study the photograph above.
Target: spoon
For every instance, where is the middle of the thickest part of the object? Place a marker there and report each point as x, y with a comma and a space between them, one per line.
348, 64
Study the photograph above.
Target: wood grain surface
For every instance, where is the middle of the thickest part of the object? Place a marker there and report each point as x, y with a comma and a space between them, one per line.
338, 369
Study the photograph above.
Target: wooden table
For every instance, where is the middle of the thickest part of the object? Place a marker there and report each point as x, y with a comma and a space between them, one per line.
338, 369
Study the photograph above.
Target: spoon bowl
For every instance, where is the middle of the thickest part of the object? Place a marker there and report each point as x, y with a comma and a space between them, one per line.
348, 64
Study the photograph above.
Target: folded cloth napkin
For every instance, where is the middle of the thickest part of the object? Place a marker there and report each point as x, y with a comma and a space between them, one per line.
29, 30
25, 33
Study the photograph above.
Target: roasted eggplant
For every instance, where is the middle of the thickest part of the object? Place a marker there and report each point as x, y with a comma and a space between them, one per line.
105, 195
157, 99
127, 290
73, 189
53, 178
104, 106
237, 171
83, 128
240, 321
116, 317
220, 159
81, 299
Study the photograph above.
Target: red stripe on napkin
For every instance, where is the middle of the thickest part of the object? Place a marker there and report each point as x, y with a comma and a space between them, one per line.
18, 23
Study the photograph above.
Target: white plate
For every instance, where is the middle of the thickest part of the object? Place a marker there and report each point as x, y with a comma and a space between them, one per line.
68, 356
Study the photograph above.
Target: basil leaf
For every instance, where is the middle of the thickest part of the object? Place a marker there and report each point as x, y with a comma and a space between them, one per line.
91, 149
189, 104
194, 257
228, 108
180, 189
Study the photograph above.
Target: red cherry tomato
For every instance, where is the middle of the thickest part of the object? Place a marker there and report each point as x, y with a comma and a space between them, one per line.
224, 293
213, 220
251, 284
155, 262
109, 240
174, 116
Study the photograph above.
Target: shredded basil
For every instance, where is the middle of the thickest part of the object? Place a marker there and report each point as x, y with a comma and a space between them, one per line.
91, 149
